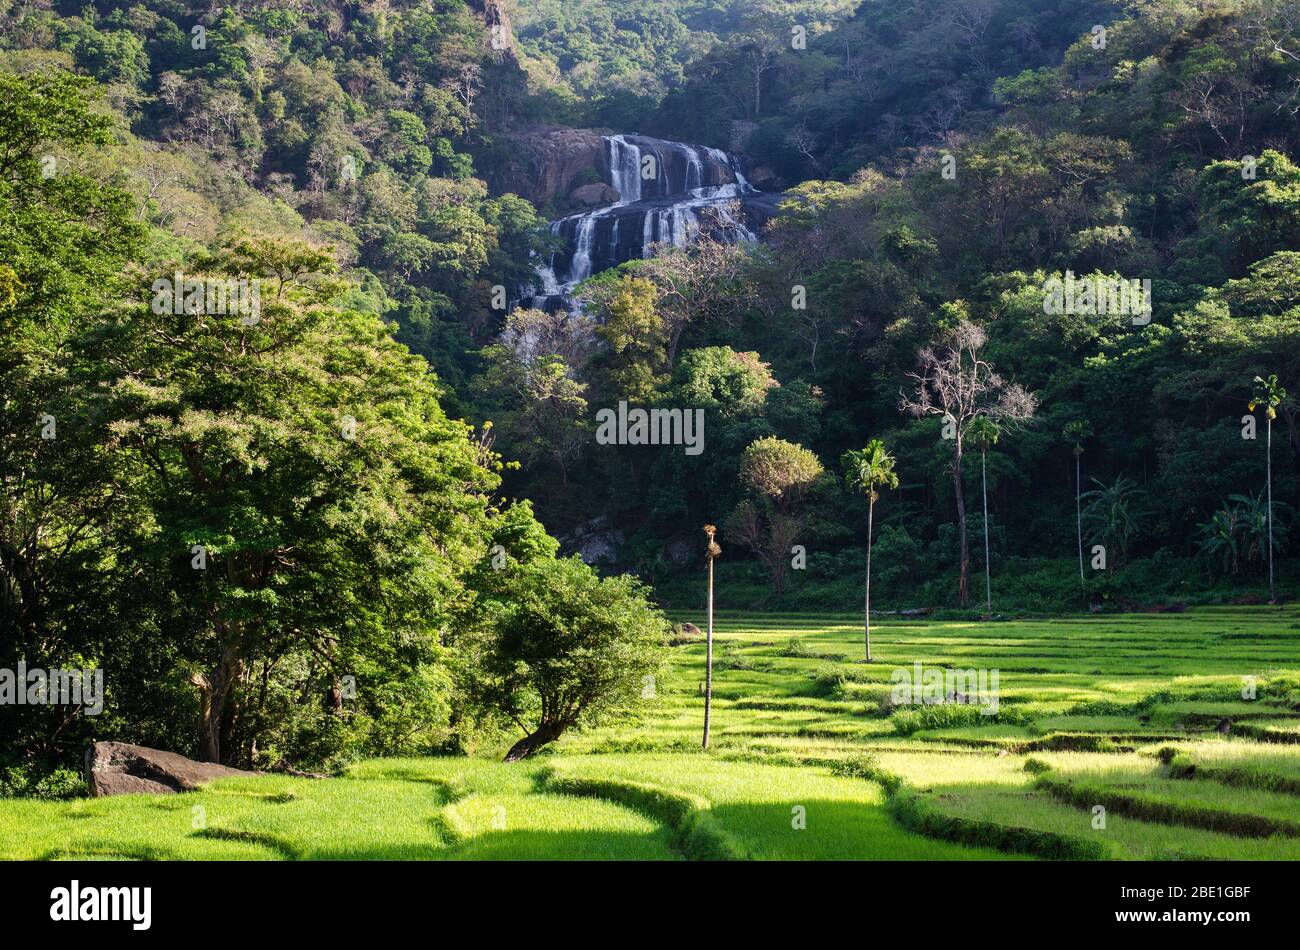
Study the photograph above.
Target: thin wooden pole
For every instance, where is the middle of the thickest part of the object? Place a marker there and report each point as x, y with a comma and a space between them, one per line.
712, 552
708, 665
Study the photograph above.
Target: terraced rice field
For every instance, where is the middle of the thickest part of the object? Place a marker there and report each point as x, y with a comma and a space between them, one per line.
1118, 737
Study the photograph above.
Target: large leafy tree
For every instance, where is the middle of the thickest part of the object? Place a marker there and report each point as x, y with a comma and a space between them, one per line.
530, 379
64, 239
1248, 219
778, 475
556, 647
313, 509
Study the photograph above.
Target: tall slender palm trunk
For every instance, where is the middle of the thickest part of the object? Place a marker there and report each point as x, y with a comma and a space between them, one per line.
1078, 512
866, 609
708, 662
1272, 596
984, 484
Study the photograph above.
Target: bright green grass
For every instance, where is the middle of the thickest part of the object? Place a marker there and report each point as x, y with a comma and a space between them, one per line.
756, 805
1147, 781
496, 810
1124, 838
1126, 682
1263, 758
428, 809
1093, 699
999, 791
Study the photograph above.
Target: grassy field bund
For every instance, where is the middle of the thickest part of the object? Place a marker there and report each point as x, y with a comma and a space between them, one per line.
1145, 716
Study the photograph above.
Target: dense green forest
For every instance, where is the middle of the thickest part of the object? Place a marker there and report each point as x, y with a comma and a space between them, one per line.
1154, 147
352, 461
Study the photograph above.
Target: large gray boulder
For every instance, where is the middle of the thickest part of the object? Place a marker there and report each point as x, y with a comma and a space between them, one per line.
595, 195
119, 768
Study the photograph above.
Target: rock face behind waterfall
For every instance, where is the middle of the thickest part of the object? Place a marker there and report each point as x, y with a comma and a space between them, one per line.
552, 165
655, 192
549, 163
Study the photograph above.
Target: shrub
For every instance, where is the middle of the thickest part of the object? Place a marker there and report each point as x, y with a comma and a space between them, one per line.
865, 765
732, 658
913, 719
1181, 766
861, 765
829, 680
795, 647
27, 781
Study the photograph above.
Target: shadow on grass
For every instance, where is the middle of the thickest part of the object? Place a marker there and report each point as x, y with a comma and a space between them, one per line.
836, 830
533, 845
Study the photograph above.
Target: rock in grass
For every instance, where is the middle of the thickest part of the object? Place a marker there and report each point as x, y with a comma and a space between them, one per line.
118, 768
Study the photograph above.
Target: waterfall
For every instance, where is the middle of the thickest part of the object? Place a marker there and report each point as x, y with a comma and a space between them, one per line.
658, 203
624, 168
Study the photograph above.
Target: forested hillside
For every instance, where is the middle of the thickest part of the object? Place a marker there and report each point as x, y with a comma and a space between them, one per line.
1151, 142
915, 181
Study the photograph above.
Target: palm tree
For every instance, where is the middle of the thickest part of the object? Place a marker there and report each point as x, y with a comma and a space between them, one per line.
1269, 394
985, 433
866, 471
711, 552
1078, 431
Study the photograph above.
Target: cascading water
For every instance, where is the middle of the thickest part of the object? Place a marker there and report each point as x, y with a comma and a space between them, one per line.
661, 201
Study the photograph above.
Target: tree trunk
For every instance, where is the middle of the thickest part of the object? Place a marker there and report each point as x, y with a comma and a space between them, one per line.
1293, 430
217, 705
708, 660
209, 740
545, 733
778, 575
1078, 512
674, 340
984, 486
963, 583
866, 609
1272, 597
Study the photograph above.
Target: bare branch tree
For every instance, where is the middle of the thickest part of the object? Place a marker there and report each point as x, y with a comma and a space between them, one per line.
953, 381
704, 281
